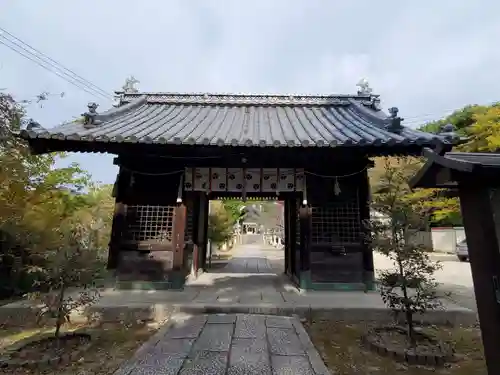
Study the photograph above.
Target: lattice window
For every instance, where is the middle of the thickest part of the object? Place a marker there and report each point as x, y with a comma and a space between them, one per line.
337, 223
145, 222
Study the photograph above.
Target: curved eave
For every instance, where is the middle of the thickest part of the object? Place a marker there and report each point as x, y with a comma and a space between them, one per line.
42, 146
454, 168
349, 122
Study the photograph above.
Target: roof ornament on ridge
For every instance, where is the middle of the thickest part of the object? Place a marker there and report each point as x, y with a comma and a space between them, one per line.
364, 87
448, 132
32, 124
89, 117
394, 123
129, 86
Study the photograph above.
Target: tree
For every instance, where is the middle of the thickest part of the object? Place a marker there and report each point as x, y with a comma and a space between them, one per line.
220, 224
484, 133
479, 123
35, 199
409, 287
68, 264
443, 208
461, 119
235, 210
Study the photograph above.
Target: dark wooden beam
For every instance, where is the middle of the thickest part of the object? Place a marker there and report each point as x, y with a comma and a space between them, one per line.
204, 207
305, 215
41, 146
117, 229
179, 227
481, 232
287, 235
364, 213
447, 161
292, 233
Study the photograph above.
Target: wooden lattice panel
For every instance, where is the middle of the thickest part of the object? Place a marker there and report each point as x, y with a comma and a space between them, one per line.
336, 223
148, 222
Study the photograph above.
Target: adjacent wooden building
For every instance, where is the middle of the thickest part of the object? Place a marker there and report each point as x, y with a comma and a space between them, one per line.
175, 152
476, 177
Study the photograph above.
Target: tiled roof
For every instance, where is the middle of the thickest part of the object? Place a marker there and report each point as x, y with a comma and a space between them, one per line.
472, 166
475, 158
243, 120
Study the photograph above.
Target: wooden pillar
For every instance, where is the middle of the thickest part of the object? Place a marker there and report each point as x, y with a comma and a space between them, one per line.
179, 227
364, 213
117, 229
287, 236
305, 246
292, 233
195, 237
481, 232
203, 231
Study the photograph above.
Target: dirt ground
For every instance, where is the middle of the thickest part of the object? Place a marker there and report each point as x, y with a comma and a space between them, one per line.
341, 348
111, 345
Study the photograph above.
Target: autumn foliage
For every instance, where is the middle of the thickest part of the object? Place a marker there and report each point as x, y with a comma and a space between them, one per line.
38, 203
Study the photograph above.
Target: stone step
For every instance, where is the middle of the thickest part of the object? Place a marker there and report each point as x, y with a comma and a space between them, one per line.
456, 316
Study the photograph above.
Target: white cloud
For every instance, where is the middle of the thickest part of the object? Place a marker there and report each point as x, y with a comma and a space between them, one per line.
424, 57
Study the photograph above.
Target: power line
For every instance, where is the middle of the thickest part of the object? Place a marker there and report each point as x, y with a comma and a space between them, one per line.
47, 68
84, 84
441, 115
19, 49
62, 67
425, 119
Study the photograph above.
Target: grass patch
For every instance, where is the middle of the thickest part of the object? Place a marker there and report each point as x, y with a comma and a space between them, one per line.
340, 346
111, 345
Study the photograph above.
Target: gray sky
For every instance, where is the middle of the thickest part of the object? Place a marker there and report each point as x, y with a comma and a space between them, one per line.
425, 57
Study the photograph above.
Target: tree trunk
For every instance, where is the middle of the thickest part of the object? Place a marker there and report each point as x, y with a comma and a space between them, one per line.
60, 312
411, 328
407, 308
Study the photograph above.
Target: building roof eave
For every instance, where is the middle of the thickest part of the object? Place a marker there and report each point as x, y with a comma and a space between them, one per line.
440, 171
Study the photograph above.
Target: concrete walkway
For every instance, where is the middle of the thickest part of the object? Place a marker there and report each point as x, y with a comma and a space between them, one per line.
229, 344
253, 275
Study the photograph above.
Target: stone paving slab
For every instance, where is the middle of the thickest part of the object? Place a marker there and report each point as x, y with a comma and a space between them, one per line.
234, 344
247, 362
284, 341
250, 326
215, 338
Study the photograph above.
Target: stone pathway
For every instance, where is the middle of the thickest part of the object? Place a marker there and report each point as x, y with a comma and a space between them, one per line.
229, 344
253, 275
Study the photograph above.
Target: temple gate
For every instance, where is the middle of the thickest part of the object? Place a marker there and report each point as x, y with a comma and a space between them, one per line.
175, 152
